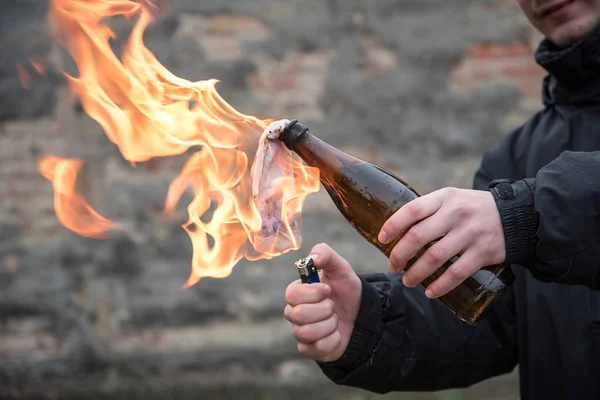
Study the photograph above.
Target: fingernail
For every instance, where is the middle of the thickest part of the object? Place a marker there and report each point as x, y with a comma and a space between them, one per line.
326, 289
406, 282
383, 237
429, 293
314, 257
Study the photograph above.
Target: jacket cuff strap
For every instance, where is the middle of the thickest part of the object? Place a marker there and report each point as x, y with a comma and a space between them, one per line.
365, 335
515, 202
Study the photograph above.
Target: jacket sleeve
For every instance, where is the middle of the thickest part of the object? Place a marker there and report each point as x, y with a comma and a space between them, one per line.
403, 341
551, 221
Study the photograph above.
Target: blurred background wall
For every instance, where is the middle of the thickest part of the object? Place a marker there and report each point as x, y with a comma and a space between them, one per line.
419, 87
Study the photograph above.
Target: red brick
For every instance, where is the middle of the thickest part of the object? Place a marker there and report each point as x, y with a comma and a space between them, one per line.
523, 70
273, 82
531, 88
510, 61
225, 24
502, 4
471, 70
499, 50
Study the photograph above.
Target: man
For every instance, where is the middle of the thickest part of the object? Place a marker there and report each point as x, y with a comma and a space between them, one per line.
536, 207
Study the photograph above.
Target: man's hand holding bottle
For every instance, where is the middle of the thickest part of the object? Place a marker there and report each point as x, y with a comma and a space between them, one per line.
464, 222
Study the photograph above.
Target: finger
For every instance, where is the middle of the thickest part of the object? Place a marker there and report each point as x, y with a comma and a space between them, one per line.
312, 332
408, 215
330, 262
433, 258
417, 237
466, 265
297, 293
305, 314
321, 349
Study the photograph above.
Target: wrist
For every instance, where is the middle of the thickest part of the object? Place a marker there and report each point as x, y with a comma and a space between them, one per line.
365, 333
514, 201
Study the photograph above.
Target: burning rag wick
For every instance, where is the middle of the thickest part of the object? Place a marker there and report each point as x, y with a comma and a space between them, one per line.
271, 172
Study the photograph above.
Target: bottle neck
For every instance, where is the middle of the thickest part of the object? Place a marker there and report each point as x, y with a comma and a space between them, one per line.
314, 151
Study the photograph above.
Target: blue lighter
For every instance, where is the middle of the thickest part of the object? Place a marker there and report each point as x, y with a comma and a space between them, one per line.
307, 270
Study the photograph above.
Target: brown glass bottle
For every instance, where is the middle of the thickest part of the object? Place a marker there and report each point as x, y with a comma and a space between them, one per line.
367, 196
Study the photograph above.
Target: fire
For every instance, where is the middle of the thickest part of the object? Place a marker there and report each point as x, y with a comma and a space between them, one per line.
39, 66
23, 76
149, 112
71, 209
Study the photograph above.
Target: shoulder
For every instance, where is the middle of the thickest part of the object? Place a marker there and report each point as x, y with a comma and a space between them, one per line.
508, 158
510, 152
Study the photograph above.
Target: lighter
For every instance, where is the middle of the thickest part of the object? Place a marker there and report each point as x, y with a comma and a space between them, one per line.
307, 270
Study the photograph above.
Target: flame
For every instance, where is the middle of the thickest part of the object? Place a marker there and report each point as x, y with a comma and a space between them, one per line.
149, 112
39, 66
24, 77
71, 209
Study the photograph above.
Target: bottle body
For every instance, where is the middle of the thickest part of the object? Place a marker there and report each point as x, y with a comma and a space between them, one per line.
368, 196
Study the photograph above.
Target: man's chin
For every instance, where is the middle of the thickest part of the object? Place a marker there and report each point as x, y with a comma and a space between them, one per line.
572, 32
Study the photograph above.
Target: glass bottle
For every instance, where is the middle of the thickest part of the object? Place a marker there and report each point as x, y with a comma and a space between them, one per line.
368, 195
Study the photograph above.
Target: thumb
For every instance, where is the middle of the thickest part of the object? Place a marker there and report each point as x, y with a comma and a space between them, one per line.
330, 262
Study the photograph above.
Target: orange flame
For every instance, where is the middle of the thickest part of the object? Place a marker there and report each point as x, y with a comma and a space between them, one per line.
38, 65
71, 209
24, 77
149, 112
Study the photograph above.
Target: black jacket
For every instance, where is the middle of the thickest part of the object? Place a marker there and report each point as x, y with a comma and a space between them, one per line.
549, 321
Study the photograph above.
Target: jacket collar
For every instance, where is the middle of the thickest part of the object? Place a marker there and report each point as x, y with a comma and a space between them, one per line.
574, 71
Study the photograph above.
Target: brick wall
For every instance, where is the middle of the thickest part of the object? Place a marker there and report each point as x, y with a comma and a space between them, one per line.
421, 89
486, 63
26, 195
274, 84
